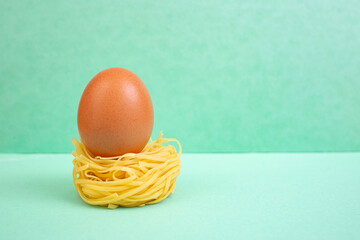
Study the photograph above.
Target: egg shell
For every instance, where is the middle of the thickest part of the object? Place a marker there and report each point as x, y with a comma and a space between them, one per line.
115, 114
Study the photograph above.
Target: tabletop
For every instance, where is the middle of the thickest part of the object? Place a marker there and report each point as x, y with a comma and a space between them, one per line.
217, 196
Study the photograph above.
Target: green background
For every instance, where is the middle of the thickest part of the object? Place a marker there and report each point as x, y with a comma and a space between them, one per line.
224, 76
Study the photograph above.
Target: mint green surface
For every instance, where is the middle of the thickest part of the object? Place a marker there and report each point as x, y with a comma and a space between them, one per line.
219, 196
224, 76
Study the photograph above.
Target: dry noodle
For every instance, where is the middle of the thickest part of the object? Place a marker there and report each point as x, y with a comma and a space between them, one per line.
128, 180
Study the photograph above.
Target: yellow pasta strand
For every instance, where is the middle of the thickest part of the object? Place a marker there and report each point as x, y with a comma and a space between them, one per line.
130, 180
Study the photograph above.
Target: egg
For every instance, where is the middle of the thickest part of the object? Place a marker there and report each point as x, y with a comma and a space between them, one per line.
115, 114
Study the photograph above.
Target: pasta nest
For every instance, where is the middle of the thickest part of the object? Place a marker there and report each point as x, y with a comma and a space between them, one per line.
129, 180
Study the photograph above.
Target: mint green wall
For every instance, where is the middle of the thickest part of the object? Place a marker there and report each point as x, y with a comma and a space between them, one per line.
225, 76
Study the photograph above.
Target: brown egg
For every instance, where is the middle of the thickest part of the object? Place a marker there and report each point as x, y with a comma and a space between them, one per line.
115, 113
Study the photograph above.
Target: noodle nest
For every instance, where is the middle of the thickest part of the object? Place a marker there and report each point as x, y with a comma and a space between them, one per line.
129, 180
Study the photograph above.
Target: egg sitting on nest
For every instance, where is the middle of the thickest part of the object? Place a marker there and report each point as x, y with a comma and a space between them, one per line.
115, 114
